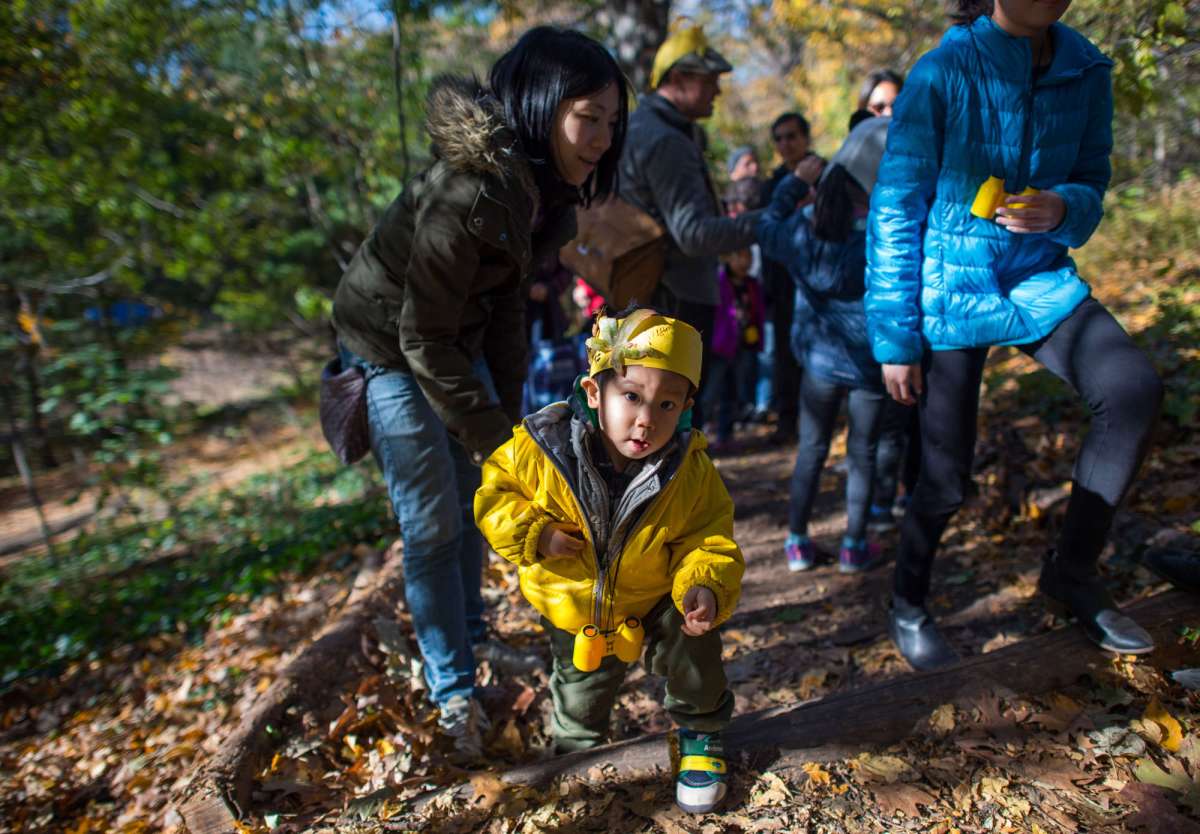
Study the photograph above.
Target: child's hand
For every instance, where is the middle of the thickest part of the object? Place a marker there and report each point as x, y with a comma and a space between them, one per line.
559, 539
1039, 212
699, 611
809, 169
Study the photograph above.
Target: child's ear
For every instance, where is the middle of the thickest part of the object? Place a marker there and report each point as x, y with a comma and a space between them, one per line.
592, 390
687, 405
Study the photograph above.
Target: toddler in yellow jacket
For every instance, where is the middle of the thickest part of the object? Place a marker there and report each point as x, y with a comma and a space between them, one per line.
623, 532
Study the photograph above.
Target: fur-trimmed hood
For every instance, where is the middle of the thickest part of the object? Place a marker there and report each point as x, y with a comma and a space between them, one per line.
466, 125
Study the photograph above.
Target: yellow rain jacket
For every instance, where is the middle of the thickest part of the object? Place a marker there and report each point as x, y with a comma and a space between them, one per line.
671, 530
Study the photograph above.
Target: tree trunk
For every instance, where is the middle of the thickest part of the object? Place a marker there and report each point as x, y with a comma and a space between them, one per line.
219, 791
845, 723
18, 453
398, 77
636, 29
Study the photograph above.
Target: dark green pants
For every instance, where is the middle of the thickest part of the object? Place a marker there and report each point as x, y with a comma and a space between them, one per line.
698, 696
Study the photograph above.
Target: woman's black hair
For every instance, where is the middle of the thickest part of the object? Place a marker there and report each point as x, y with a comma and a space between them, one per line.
547, 66
833, 210
858, 117
964, 12
879, 76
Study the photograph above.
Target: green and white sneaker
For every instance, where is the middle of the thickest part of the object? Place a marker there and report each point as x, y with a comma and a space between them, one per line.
701, 775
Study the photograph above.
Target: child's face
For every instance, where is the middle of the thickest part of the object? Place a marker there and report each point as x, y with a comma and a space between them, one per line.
638, 411
739, 262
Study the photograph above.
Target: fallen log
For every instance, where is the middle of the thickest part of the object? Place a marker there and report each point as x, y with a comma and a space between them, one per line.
831, 727
219, 791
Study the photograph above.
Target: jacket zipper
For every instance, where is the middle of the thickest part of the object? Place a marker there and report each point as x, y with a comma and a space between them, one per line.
1025, 160
601, 568
620, 541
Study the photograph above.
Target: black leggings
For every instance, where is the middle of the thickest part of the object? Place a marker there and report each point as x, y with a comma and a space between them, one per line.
819, 405
899, 455
1091, 353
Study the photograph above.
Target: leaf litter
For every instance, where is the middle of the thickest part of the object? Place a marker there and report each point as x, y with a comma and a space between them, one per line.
107, 744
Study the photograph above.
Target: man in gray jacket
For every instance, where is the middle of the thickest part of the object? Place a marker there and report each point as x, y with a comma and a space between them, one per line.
663, 172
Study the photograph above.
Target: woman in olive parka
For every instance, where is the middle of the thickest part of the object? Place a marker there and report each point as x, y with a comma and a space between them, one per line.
432, 309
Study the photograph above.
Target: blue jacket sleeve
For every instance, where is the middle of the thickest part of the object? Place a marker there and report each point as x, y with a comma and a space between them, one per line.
1084, 189
900, 203
781, 230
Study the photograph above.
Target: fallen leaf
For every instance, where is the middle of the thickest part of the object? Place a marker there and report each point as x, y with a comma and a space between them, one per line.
816, 774
1172, 732
1150, 773
489, 790
901, 797
942, 718
521, 704
1117, 741
1061, 715
993, 787
510, 740
886, 769
1156, 813
769, 796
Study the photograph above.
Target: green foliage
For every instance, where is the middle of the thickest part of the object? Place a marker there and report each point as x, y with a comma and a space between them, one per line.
182, 572
227, 155
1155, 227
113, 407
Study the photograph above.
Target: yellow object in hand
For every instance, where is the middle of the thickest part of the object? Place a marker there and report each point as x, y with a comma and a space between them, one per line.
991, 195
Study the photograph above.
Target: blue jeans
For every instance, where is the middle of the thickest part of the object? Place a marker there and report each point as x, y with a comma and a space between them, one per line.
765, 369
431, 483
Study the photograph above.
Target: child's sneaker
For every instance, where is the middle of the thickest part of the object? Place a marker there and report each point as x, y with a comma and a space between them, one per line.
463, 720
801, 555
859, 557
701, 778
880, 519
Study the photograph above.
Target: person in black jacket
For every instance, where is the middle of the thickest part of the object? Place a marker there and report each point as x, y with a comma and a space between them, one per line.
432, 308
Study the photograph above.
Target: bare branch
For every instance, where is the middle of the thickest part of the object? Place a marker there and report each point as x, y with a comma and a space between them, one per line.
88, 281
161, 205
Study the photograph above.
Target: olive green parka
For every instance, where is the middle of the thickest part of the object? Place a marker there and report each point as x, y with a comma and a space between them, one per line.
442, 279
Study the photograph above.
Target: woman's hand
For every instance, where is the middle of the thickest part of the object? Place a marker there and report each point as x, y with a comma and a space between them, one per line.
557, 540
1025, 214
903, 382
699, 611
809, 169
538, 291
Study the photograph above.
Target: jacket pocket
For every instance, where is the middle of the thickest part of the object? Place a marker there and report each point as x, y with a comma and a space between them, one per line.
491, 222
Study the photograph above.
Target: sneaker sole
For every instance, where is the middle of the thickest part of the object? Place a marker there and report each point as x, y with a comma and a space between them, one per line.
706, 808
870, 566
800, 568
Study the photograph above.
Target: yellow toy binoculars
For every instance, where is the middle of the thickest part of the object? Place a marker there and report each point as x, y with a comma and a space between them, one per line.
593, 645
991, 195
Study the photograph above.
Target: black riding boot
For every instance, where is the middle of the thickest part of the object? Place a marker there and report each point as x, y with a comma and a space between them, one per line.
917, 637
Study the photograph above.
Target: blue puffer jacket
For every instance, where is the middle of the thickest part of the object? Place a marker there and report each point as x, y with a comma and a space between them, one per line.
829, 327
970, 109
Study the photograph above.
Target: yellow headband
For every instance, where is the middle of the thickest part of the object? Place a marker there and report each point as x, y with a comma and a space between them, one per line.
648, 339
